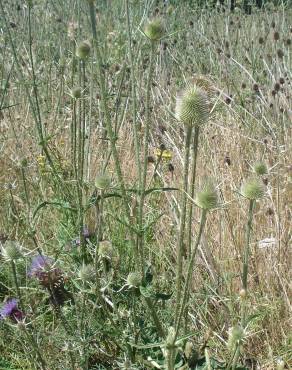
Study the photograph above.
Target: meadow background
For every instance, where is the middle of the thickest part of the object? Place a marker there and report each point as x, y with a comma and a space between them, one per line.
93, 185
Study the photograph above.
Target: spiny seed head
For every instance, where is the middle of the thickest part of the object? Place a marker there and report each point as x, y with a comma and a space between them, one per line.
11, 251
154, 29
76, 92
193, 106
105, 249
134, 279
83, 50
207, 197
253, 189
235, 336
260, 168
86, 273
103, 182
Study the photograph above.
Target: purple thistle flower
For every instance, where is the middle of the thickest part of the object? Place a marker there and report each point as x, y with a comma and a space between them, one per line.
10, 309
40, 264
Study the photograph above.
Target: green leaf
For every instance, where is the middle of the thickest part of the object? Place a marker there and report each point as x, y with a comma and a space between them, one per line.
58, 204
146, 292
163, 296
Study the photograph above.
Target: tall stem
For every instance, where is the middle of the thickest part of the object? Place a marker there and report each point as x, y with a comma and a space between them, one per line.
180, 246
191, 206
134, 102
192, 191
246, 259
141, 235
180, 308
16, 284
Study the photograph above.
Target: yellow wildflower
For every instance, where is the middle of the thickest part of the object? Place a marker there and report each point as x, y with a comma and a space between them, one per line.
163, 154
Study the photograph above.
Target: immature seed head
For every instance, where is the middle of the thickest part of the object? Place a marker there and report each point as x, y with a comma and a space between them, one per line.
86, 273
154, 29
83, 50
134, 280
260, 168
242, 294
170, 339
76, 92
103, 182
280, 364
253, 189
207, 197
11, 251
193, 106
105, 249
235, 336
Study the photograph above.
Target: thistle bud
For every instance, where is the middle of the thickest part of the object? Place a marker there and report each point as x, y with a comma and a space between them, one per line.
260, 168
193, 106
103, 182
252, 189
154, 29
134, 280
11, 251
207, 197
83, 50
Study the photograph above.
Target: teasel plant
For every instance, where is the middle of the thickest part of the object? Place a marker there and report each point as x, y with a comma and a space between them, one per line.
194, 108
252, 189
78, 134
154, 31
206, 199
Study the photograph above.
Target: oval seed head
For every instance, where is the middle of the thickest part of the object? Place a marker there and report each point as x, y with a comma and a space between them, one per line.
193, 106
103, 182
260, 168
76, 92
134, 280
242, 294
105, 249
170, 337
11, 251
235, 336
207, 197
253, 189
24, 162
86, 273
154, 29
83, 50
280, 364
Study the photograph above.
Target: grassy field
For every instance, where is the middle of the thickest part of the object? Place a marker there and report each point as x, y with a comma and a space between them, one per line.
145, 186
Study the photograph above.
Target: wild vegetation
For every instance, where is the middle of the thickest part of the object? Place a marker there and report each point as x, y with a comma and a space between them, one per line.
145, 185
